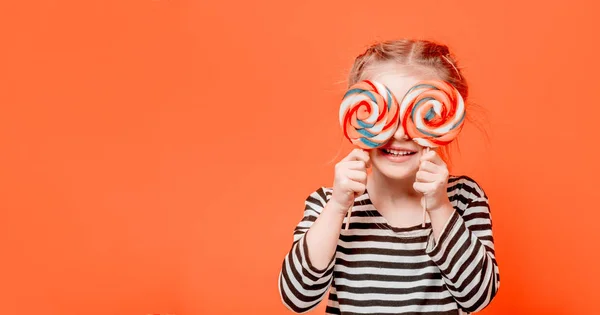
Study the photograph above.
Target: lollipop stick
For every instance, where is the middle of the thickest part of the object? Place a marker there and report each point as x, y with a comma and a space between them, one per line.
425, 201
424, 212
348, 219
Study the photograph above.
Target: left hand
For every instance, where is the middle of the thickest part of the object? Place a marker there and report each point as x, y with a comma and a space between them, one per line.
432, 180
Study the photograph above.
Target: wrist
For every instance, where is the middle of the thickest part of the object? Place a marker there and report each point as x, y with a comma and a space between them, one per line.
336, 209
440, 204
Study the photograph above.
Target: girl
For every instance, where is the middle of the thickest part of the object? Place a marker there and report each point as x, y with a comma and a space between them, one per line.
387, 262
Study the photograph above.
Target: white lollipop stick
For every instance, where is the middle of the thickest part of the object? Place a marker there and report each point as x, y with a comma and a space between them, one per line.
425, 201
349, 214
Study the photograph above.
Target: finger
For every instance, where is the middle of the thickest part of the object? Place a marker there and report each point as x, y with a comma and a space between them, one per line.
355, 165
354, 155
423, 187
357, 155
429, 167
363, 155
426, 177
432, 156
357, 187
368, 158
358, 176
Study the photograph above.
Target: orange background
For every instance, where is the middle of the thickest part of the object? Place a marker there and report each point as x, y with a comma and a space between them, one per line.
155, 155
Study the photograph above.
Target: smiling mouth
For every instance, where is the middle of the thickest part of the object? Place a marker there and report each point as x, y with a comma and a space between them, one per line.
392, 152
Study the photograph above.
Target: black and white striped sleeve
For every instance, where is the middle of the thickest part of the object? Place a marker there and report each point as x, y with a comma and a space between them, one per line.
301, 285
465, 250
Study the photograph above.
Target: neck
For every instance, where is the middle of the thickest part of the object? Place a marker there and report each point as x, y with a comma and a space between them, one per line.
391, 191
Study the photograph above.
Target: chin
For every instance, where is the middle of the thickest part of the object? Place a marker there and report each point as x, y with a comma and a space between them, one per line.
396, 167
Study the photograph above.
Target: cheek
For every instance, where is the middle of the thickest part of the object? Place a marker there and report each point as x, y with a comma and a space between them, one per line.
414, 164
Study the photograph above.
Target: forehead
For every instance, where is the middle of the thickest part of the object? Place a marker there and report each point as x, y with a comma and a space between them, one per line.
399, 78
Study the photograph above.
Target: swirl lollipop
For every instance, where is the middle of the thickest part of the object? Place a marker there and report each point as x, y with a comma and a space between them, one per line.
433, 113
369, 114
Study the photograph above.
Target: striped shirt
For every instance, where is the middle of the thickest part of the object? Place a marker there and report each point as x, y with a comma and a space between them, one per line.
380, 269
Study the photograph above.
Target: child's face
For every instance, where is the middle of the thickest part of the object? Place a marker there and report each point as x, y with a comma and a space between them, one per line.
399, 79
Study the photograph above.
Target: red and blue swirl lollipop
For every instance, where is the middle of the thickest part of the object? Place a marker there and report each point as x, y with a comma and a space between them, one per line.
369, 114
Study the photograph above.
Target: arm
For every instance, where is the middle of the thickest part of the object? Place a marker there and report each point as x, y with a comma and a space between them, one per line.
307, 270
463, 248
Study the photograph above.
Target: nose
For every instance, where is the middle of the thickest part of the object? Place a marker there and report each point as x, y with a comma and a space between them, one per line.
400, 134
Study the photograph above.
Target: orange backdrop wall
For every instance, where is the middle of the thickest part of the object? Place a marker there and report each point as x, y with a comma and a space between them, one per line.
155, 155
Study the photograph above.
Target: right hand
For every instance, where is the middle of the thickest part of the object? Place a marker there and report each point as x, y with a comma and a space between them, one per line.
350, 180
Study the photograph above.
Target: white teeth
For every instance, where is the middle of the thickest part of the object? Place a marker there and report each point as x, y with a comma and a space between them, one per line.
398, 153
